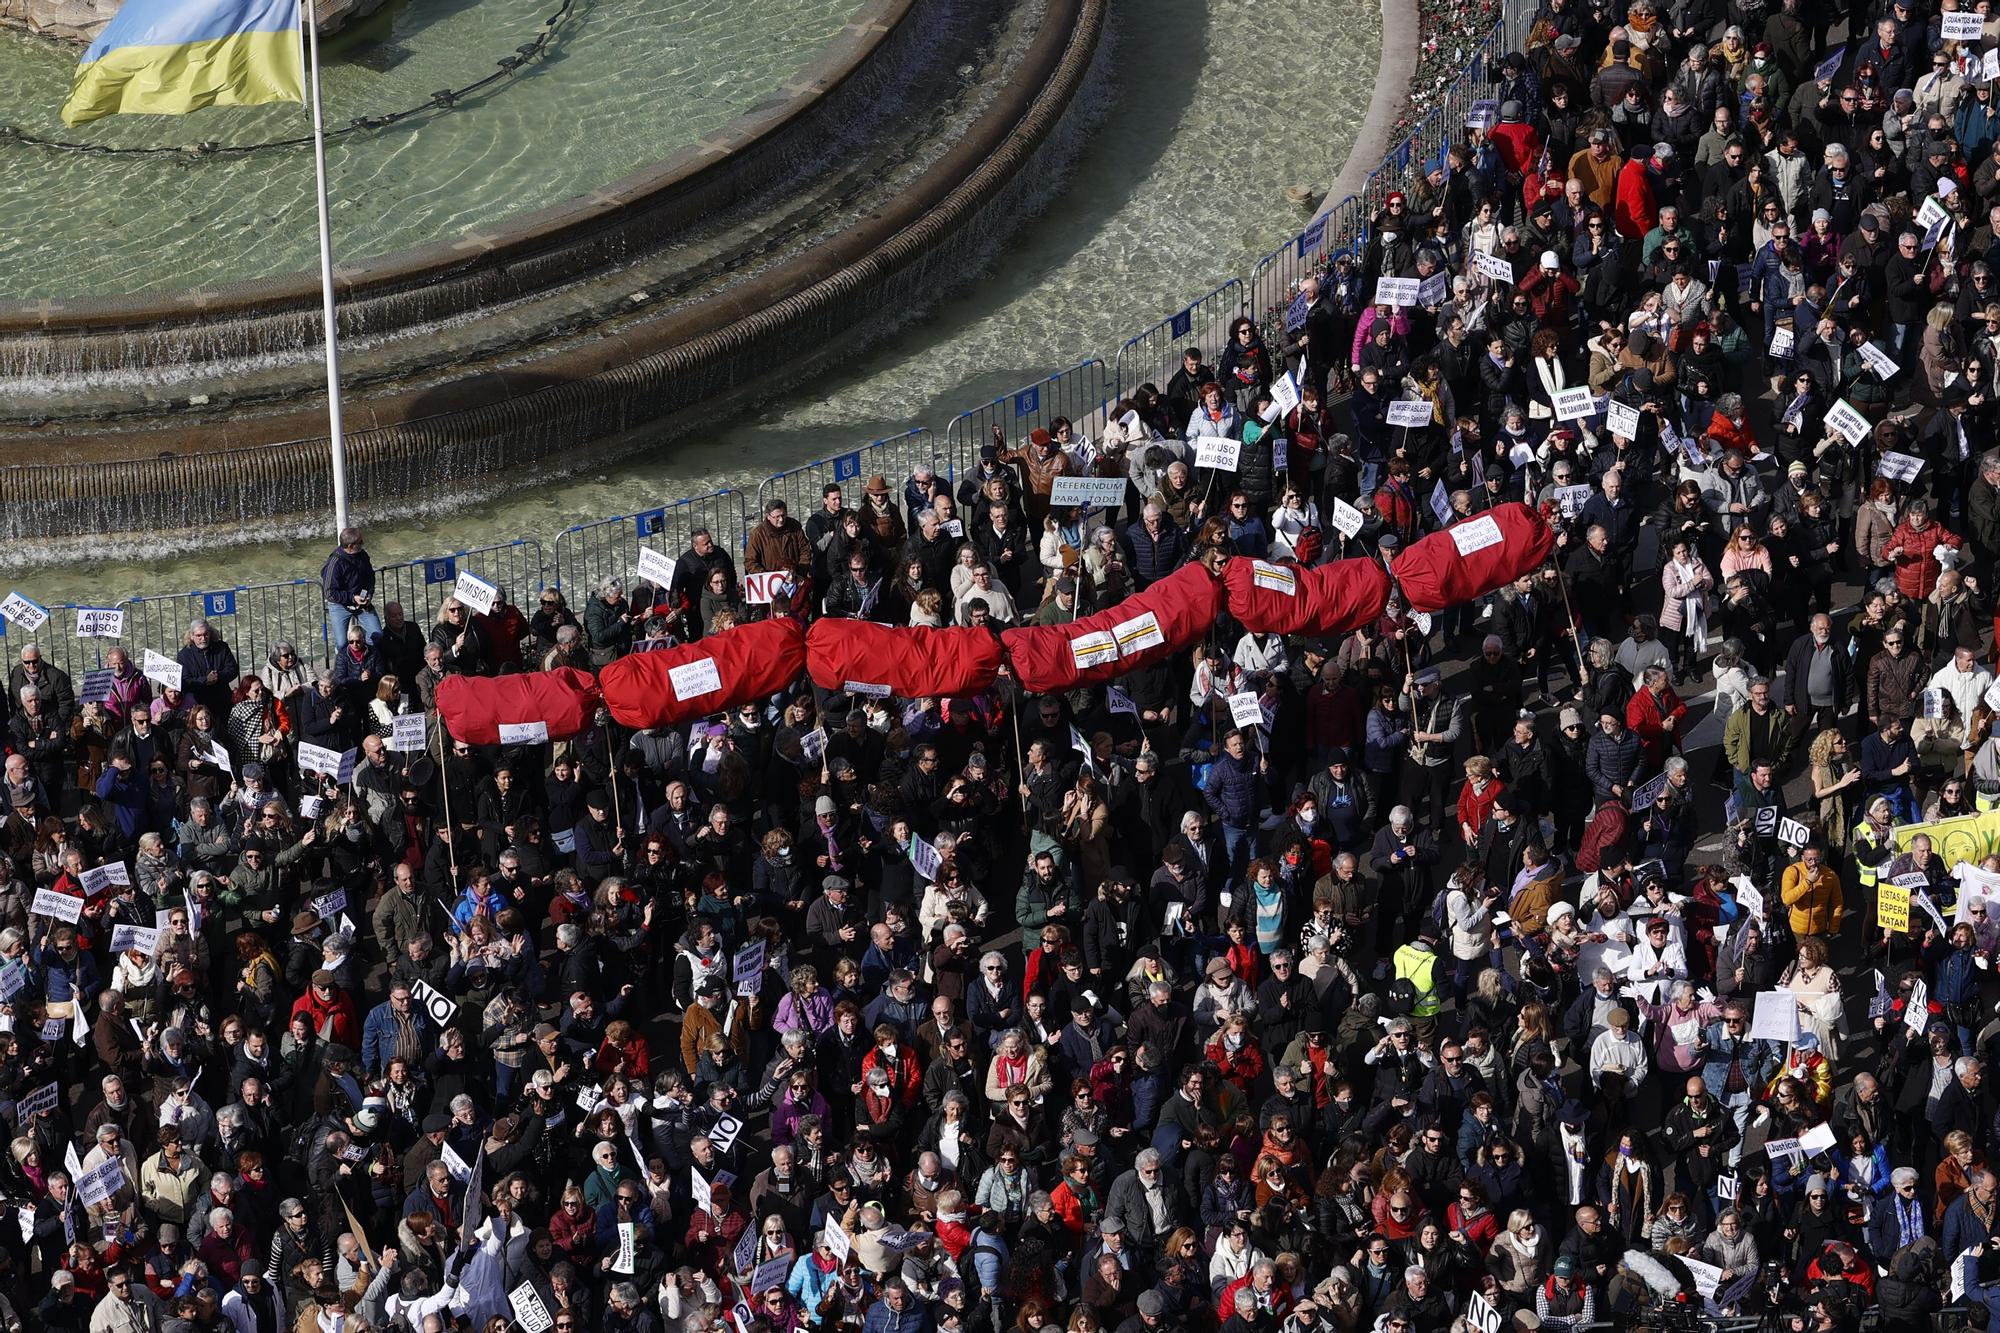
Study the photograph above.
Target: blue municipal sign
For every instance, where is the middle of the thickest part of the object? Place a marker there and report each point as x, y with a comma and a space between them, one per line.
444, 569
1183, 324
847, 467
218, 603
1028, 401
650, 522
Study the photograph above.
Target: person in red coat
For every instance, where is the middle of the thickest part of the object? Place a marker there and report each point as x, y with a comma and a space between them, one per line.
1635, 207
1656, 714
1236, 1055
1913, 549
330, 1010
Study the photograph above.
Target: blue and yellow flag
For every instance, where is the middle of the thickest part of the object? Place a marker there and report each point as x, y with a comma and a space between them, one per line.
169, 57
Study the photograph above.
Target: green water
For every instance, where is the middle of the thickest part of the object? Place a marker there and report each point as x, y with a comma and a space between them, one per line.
627, 82
1215, 106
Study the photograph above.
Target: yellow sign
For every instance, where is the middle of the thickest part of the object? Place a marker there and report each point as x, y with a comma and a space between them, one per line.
1892, 907
1969, 838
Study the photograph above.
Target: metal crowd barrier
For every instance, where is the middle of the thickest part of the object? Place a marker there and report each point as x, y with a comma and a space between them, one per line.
1154, 356
1077, 394
253, 617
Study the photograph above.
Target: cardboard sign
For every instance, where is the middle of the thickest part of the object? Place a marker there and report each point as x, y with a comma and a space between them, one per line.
524, 733
763, 589
1410, 413
1621, 419
691, 680
1212, 451
19, 610
1396, 291
134, 939
61, 906
1848, 423
319, 759
1346, 519
1476, 534
1285, 389
1245, 710
101, 1181
438, 1005
165, 670
529, 1311
1092, 492
1776, 1017
100, 622
1575, 404
1879, 361
1648, 795
655, 568
1275, 578
409, 733
99, 878
475, 592
1899, 467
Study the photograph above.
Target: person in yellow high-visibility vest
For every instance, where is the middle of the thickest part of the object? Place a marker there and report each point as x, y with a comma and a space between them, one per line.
1417, 963
1872, 845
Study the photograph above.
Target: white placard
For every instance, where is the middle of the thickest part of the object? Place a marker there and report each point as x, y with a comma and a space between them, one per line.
1410, 412
100, 622
772, 1272
95, 687
1782, 343
1776, 1148
655, 568
19, 610
524, 733
1571, 499
1432, 290
330, 904
813, 744
1094, 649
1119, 702
1931, 212
1245, 711
1345, 518
1776, 1018
475, 592
1648, 795
1959, 26
436, 1003
310, 806
318, 759
1097, 492
1878, 361
529, 1311
41, 1099
865, 688
1848, 423
409, 733
1285, 389
1725, 1188
724, 1132
1441, 503
1492, 266
134, 938
924, 856
834, 1236
1480, 1314
1396, 291
1899, 467
1138, 634
461, 1170
763, 589
626, 1259
1476, 534
1621, 419
698, 1190
1792, 833
165, 670
1917, 1009
1818, 1139
1274, 578
691, 680
1212, 451
99, 878
1575, 404
1707, 1277
101, 1181
61, 906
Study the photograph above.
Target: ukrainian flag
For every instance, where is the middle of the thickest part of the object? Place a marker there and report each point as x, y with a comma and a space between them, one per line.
169, 57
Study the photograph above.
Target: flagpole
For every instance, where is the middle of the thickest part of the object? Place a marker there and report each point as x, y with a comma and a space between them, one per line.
335, 438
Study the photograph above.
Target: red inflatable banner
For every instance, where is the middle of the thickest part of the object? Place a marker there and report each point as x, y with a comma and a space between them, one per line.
915, 663
1473, 557
1286, 599
671, 685
1171, 615
477, 708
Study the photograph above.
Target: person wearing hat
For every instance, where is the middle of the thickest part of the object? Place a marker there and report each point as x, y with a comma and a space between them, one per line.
1618, 1058
1040, 464
329, 1010
1436, 721
1563, 1304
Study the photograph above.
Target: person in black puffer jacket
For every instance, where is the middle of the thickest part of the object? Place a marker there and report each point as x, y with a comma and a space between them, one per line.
1908, 1293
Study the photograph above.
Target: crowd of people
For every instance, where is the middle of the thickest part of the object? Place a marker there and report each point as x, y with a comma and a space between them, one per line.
1564, 957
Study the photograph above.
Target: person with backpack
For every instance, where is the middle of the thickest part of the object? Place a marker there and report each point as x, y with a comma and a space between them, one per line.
1415, 989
